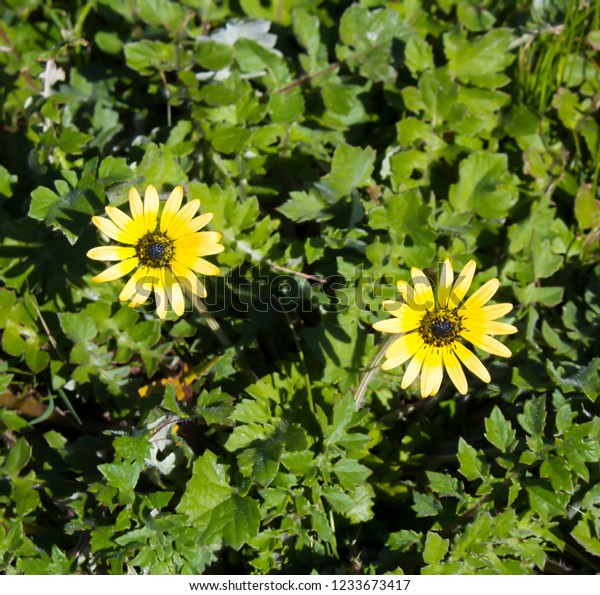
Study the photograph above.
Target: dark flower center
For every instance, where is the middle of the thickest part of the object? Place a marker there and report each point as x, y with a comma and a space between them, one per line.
155, 250
440, 327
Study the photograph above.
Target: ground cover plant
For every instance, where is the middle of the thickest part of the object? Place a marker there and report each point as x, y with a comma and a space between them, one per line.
243, 423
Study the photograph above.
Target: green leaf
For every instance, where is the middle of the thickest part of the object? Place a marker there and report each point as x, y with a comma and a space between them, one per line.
306, 29
470, 464
78, 326
444, 485
70, 211
235, 521
585, 379
36, 359
425, 506
215, 407
159, 167
557, 471
547, 503
18, 457
351, 473
499, 431
161, 12
320, 524
435, 548
170, 402
402, 540
587, 208
6, 179
261, 463
339, 500
213, 55
26, 496
545, 262
480, 61
533, 418
586, 533
418, 55
305, 206
108, 42
286, 108
123, 476
404, 215
438, 97
351, 168
484, 186
148, 57
208, 487
72, 140
369, 35
229, 139
532, 294
114, 170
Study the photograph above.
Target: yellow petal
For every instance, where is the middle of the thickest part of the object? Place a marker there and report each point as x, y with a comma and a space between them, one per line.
111, 253
432, 373
483, 295
174, 293
404, 347
414, 367
196, 223
445, 283
135, 205
390, 325
200, 265
125, 222
148, 279
486, 343
141, 296
455, 371
487, 312
193, 241
498, 328
117, 270
178, 226
403, 289
171, 207
411, 319
408, 296
199, 222
151, 202
134, 285
461, 285
471, 361
423, 295
109, 229
209, 250
161, 297
188, 279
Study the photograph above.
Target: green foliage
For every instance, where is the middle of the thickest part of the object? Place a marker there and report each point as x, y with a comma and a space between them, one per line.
338, 145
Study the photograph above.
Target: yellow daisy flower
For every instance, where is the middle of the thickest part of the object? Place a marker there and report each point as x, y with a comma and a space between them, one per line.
164, 258
432, 334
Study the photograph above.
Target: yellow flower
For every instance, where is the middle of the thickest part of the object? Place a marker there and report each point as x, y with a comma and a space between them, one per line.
432, 333
164, 258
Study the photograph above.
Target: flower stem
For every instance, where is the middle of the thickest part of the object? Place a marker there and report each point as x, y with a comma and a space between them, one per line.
370, 370
211, 321
216, 328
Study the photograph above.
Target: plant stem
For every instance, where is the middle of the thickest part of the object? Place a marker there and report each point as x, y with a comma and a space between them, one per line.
369, 372
216, 328
211, 321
